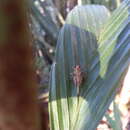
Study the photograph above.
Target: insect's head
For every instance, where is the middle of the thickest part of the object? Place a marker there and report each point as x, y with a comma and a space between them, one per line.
77, 67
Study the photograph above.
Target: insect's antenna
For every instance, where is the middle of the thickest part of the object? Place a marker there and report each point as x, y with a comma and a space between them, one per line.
73, 66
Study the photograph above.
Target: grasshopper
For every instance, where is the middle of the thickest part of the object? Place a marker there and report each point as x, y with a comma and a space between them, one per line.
78, 77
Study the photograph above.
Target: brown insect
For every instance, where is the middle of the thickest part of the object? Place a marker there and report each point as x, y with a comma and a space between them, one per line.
77, 77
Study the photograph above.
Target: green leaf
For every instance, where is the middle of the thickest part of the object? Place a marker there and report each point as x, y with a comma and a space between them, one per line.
45, 21
102, 64
115, 121
110, 4
117, 115
90, 18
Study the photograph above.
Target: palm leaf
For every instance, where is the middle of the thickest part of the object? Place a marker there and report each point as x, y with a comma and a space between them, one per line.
116, 123
92, 19
110, 4
103, 66
45, 21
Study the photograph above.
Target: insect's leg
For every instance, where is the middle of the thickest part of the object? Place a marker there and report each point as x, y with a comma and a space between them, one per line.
71, 75
73, 67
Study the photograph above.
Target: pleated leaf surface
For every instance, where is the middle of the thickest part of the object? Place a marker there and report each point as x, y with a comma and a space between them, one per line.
103, 60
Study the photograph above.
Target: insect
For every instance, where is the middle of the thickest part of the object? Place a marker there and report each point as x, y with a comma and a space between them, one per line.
77, 77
